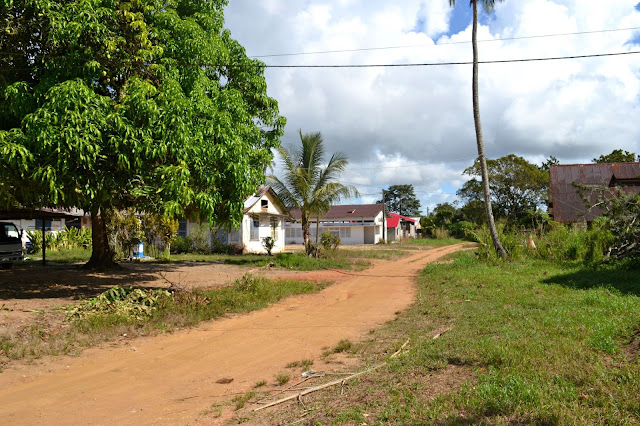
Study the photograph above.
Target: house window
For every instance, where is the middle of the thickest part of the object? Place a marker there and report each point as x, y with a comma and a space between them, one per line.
254, 234
182, 228
345, 232
47, 225
264, 204
274, 229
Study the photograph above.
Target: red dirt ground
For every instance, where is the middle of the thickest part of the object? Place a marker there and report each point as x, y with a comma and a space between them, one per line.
171, 379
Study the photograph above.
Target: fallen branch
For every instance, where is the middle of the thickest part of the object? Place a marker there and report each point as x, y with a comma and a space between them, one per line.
328, 384
441, 333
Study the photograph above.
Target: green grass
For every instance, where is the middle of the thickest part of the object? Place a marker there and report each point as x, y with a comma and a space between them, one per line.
282, 379
536, 342
295, 261
432, 242
63, 255
183, 309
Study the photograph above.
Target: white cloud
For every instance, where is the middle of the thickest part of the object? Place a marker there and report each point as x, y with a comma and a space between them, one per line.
415, 125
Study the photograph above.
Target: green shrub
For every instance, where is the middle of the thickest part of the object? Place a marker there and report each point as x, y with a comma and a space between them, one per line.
328, 241
268, 243
180, 245
462, 229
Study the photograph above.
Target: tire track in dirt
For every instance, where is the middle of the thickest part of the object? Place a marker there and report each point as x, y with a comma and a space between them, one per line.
170, 379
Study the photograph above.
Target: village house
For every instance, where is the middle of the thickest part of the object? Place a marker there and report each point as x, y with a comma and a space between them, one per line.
353, 223
399, 227
566, 203
264, 216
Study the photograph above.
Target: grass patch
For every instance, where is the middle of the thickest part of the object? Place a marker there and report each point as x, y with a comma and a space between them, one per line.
241, 400
342, 346
282, 379
432, 242
180, 309
260, 384
295, 261
527, 342
76, 255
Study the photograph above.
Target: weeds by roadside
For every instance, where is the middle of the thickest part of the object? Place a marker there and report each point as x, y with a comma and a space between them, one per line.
113, 315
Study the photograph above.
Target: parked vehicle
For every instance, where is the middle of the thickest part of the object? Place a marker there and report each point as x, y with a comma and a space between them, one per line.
10, 245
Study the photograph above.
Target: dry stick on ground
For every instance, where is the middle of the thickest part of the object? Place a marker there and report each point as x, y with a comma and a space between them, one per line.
441, 333
331, 383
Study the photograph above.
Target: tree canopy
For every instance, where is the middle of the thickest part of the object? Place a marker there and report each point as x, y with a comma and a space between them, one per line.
517, 187
618, 156
109, 104
402, 199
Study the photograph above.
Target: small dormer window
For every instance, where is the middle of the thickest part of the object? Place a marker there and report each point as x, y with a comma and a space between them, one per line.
264, 204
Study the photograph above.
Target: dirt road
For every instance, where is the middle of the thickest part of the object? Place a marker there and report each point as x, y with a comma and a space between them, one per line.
171, 379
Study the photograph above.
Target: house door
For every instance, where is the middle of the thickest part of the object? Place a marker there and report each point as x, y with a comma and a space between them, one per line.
369, 235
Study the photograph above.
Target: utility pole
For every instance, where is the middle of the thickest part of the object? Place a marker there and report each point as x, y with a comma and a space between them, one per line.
384, 219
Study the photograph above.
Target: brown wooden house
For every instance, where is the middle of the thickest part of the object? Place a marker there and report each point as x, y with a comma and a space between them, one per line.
566, 203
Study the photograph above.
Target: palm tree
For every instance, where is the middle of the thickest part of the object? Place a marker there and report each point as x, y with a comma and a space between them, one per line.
307, 185
488, 6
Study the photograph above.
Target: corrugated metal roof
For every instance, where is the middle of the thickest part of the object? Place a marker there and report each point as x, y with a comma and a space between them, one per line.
347, 211
566, 203
394, 219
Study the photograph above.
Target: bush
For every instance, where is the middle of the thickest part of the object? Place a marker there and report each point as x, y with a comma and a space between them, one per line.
268, 243
441, 233
70, 238
462, 229
329, 241
180, 245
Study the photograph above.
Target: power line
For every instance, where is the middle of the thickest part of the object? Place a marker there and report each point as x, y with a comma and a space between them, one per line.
433, 64
424, 64
365, 49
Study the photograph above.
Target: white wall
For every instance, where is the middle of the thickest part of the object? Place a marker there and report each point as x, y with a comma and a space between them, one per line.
349, 234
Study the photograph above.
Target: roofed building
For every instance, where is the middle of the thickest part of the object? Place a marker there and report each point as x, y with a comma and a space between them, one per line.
353, 223
566, 204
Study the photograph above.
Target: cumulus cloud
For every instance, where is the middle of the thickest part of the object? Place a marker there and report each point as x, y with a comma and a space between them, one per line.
415, 125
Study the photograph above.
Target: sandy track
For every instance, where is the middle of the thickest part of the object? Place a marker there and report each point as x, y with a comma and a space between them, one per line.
170, 379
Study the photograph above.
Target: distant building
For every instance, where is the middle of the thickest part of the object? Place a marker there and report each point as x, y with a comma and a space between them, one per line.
565, 201
264, 216
353, 223
399, 227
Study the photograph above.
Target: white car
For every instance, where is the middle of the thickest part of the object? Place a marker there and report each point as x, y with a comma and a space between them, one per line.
10, 245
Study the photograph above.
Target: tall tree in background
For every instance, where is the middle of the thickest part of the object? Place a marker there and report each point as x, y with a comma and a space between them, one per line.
618, 156
308, 184
517, 187
488, 6
402, 199
110, 104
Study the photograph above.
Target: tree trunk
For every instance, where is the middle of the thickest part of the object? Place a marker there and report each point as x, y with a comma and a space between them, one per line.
305, 233
101, 254
481, 156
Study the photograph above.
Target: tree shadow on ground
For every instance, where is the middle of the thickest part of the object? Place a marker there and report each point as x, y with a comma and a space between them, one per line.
72, 281
624, 280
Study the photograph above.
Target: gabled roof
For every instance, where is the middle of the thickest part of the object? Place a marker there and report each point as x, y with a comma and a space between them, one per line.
565, 202
262, 191
347, 211
394, 219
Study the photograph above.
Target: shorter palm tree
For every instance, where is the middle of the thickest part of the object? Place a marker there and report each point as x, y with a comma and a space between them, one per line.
308, 185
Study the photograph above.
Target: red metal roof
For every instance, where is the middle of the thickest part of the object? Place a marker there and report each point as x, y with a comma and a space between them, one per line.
394, 219
565, 202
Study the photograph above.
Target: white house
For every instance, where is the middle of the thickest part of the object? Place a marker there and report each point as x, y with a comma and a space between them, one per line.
264, 216
353, 223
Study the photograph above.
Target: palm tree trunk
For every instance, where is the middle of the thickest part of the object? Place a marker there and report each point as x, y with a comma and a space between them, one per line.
481, 156
305, 232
